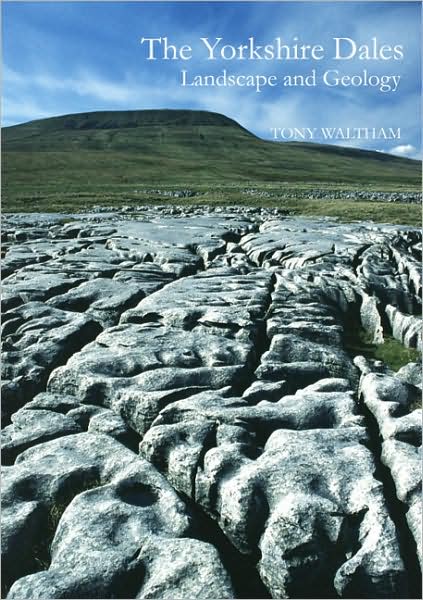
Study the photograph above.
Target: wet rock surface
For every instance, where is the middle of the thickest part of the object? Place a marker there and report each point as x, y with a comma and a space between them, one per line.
183, 415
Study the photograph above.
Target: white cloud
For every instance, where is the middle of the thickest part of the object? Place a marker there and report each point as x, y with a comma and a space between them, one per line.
404, 150
23, 109
84, 84
42, 93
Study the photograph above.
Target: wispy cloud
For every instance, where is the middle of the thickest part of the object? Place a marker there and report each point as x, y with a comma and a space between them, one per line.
84, 84
21, 110
88, 57
405, 150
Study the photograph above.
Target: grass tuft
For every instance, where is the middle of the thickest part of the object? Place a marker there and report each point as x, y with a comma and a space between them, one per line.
391, 352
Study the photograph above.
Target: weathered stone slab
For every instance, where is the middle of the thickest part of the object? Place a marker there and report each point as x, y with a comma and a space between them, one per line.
36, 339
138, 369
394, 405
223, 360
221, 300
103, 299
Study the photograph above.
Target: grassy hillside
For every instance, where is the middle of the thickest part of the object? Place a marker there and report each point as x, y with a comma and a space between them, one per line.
92, 154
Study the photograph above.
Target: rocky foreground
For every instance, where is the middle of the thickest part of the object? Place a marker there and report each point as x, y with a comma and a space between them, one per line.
182, 418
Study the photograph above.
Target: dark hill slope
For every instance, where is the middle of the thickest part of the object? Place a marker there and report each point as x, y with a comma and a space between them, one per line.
91, 151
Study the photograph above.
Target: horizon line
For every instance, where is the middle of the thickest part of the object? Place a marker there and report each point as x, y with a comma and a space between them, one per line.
276, 141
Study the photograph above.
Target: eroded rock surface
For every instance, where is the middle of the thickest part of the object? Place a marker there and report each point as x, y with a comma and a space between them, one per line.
35, 339
186, 412
396, 407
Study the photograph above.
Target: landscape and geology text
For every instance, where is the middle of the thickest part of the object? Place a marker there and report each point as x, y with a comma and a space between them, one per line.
340, 52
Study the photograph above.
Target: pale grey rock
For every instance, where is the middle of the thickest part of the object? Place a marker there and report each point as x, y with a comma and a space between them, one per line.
409, 265
370, 318
302, 362
331, 384
379, 276
411, 373
43, 480
31, 427
148, 276
414, 519
178, 261
36, 339
304, 525
298, 520
83, 267
266, 390
221, 300
58, 403
108, 422
103, 299
36, 251
305, 328
176, 450
89, 231
28, 233
210, 249
187, 429
137, 369
392, 403
106, 299
377, 387
182, 568
23, 526
214, 461
237, 261
235, 381
26, 287
19, 256
279, 244
405, 328
406, 428
371, 365
49, 416
305, 317
118, 539
88, 258
404, 462
304, 410
364, 365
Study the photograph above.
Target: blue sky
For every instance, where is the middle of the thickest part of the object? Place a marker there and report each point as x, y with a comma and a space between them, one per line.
68, 57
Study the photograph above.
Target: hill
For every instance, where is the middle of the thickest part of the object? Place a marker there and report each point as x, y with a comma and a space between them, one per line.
90, 153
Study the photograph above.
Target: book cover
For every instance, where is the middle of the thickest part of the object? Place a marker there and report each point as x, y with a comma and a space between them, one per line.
211, 267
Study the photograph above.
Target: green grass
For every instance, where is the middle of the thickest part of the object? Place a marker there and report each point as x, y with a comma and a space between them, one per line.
391, 352
394, 354
74, 162
346, 211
